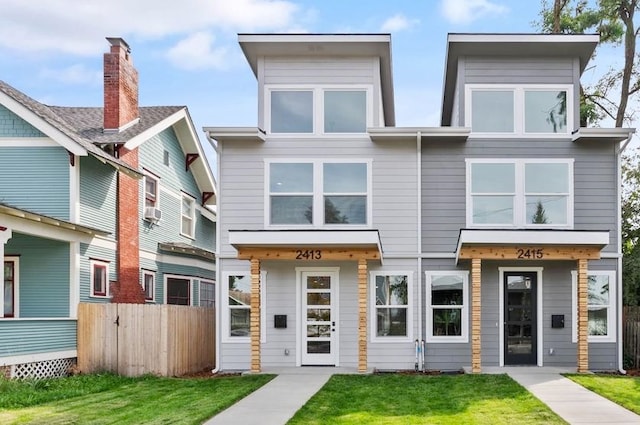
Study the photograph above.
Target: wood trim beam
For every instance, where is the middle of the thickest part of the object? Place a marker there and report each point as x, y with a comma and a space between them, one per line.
476, 316
254, 322
583, 317
308, 254
528, 252
189, 159
362, 315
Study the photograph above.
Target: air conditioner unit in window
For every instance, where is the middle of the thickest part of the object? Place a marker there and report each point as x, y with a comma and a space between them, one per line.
152, 214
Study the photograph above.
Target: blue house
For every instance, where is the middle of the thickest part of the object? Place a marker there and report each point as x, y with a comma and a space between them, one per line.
97, 204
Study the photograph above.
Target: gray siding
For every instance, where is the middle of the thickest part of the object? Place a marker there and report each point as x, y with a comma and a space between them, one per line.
36, 179
12, 125
443, 184
313, 70
98, 194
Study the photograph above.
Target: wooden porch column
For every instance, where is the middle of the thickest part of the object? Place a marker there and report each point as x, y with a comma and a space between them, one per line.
255, 316
476, 351
362, 315
583, 317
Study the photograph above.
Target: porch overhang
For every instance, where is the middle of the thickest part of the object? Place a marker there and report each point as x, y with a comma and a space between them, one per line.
492, 244
308, 245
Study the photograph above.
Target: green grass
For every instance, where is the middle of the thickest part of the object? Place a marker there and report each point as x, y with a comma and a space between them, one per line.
415, 399
622, 390
109, 399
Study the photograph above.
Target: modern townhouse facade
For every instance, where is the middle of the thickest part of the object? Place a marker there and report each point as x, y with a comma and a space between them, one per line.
345, 240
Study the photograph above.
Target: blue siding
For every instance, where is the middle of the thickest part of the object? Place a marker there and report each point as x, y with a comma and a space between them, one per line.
36, 336
98, 194
43, 276
88, 253
12, 125
188, 272
36, 179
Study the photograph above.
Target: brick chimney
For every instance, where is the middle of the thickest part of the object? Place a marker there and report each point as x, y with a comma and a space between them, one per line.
120, 87
121, 111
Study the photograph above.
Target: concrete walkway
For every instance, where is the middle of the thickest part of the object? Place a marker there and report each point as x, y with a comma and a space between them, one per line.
277, 401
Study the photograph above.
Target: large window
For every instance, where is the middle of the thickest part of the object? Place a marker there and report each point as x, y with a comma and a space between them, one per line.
601, 300
390, 298
522, 110
99, 278
187, 225
318, 110
239, 302
178, 290
318, 193
10, 287
447, 306
520, 193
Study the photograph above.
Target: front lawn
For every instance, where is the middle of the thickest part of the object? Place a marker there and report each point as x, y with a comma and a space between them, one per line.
110, 399
622, 390
416, 399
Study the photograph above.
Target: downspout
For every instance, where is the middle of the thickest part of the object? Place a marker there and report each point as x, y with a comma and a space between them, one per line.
218, 314
419, 231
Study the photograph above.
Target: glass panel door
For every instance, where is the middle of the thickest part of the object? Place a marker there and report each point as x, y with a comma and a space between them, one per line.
319, 294
520, 333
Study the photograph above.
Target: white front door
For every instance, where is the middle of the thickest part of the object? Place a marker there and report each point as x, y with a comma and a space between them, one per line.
319, 331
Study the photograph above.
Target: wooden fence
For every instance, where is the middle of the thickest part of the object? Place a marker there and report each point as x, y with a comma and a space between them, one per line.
631, 336
135, 339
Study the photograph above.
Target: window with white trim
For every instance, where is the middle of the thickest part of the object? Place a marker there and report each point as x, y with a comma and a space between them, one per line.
318, 194
10, 287
187, 224
148, 284
178, 290
207, 293
239, 304
447, 306
524, 110
318, 110
390, 298
150, 191
99, 278
601, 300
535, 193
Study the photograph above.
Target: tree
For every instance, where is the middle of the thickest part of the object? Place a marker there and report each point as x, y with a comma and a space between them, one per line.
540, 216
630, 228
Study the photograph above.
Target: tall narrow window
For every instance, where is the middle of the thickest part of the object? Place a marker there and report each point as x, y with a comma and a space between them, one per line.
99, 278
601, 290
447, 306
150, 191
178, 291
148, 284
239, 293
188, 216
10, 283
207, 294
392, 310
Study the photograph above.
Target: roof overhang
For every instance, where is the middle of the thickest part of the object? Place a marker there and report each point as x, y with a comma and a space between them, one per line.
560, 244
426, 134
255, 46
235, 134
182, 248
604, 135
319, 244
581, 46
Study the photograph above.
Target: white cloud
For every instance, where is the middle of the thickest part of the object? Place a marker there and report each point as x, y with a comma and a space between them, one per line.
467, 11
197, 52
74, 74
397, 23
79, 27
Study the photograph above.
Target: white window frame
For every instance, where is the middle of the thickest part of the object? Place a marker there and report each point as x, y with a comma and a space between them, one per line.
92, 265
181, 277
520, 207
150, 176
439, 339
224, 305
318, 193
318, 107
143, 283
374, 307
611, 309
207, 282
519, 109
192, 216
16, 285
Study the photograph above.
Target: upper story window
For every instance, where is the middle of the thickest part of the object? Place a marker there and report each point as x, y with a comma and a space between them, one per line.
505, 110
318, 110
187, 225
318, 193
99, 278
520, 193
150, 191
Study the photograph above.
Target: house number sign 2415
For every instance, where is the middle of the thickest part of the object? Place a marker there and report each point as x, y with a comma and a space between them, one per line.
308, 254
530, 253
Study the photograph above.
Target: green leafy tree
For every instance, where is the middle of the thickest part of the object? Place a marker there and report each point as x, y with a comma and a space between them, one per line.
540, 216
631, 230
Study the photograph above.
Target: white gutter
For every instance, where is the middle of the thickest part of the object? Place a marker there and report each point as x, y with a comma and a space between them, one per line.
619, 282
419, 232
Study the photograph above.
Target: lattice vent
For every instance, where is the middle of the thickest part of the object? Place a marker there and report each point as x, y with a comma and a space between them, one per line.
45, 369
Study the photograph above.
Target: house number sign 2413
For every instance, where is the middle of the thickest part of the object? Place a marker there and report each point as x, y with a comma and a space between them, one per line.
530, 253
308, 254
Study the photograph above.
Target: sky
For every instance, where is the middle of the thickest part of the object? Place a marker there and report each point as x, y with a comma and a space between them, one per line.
187, 52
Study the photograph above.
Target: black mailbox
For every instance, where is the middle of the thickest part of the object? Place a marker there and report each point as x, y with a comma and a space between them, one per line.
557, 320
280, 321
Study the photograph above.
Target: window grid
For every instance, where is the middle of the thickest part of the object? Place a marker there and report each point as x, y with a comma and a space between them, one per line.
452, 316
391, 301
188, 216
99, 278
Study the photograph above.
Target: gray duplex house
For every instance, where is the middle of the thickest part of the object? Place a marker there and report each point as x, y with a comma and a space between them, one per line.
491, 240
